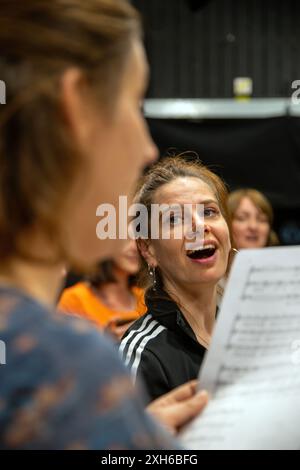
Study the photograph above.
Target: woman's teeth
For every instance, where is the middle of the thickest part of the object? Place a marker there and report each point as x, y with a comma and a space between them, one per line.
205, 252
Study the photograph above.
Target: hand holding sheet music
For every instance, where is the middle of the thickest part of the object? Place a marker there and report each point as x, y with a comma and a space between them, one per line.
252, 369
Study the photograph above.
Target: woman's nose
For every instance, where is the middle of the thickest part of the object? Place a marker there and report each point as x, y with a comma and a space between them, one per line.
207, 228
252, 224
193, 226
198, 222
198, 229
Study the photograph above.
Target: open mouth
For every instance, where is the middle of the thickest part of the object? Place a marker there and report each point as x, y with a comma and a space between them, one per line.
206, 252
252, 238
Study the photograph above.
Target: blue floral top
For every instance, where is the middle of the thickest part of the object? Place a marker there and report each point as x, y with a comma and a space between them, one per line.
63, 386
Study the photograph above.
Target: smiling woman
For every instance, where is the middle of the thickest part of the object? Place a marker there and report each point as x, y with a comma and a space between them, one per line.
252, 218
166, 346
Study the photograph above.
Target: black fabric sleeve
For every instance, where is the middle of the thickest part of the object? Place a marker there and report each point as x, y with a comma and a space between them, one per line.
152, 375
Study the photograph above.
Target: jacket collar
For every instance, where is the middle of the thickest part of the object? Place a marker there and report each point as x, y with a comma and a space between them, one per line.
167, 312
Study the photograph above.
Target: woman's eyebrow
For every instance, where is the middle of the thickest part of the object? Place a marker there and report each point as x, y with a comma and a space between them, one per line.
208, 201
175, 206
182, 204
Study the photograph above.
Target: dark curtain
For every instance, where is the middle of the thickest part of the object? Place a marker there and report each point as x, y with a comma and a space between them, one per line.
259, 153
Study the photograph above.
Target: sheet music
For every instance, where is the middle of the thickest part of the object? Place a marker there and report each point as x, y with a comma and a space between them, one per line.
252, 369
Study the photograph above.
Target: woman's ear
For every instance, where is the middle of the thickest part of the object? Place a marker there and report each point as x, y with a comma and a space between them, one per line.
147, 251
75, 101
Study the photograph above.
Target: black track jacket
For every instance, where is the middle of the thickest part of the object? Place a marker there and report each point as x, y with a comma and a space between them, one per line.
161, 347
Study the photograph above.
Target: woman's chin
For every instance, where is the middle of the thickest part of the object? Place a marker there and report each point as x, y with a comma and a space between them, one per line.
88, 254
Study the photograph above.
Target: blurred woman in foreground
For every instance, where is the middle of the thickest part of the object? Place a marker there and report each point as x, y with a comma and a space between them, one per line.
72, 136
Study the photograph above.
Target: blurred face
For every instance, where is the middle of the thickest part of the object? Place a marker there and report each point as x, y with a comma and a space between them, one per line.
128, 260
250, 226
116, 148
178, 265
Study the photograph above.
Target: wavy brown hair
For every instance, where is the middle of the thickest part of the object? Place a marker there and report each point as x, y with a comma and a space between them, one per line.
39, 41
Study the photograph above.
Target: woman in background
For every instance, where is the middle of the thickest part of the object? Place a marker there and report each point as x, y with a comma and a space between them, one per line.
166, 346
109, 297
252, 218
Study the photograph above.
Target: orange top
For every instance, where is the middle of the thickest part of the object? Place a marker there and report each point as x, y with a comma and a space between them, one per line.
80, 299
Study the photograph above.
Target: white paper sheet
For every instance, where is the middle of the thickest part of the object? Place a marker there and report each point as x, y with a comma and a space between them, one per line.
252, 369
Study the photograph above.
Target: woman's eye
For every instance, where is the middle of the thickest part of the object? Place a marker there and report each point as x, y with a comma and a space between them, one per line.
240, 218
175, 219
210, 212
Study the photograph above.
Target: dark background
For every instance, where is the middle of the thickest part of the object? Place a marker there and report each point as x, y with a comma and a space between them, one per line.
196, 52
195, 49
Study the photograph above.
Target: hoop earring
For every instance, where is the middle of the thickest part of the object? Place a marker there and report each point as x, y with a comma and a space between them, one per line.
231, 256
151, 270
